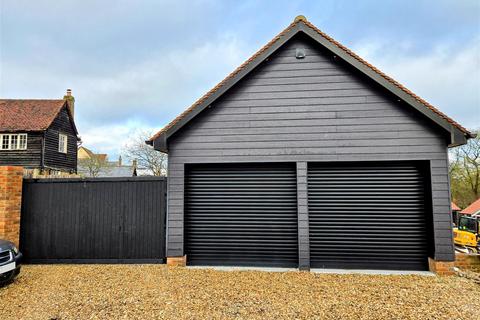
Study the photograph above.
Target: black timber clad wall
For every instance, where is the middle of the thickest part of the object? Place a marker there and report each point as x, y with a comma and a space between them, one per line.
30, 158
368, 216
241, 214
53, 158
313, 109
93, 220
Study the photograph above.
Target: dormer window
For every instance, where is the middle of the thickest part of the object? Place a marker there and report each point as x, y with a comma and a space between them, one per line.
13, 141
62, 143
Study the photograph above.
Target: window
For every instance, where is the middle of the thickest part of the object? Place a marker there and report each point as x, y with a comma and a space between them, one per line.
22, 141
62, 143
13, 141
5, 142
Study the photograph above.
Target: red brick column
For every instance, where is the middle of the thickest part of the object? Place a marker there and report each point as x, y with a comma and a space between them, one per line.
442, 268
10, 202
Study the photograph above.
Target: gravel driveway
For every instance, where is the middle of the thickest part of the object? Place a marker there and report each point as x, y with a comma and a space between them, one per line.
158, 292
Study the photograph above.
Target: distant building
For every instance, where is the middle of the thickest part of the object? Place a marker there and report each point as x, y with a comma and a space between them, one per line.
473, 209
118, 169
455, 212
39, 135
84, 153
97, 165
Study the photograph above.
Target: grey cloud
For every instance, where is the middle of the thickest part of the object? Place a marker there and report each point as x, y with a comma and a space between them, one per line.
141, 63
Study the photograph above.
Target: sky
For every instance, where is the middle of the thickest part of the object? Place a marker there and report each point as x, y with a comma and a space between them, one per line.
134, 65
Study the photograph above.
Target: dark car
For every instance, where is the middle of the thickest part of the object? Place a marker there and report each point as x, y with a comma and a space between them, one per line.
10, 259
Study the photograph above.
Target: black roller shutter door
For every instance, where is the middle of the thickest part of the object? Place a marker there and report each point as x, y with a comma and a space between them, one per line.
369, 216
241, 215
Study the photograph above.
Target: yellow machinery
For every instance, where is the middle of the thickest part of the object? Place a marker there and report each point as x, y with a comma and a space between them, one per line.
467, 233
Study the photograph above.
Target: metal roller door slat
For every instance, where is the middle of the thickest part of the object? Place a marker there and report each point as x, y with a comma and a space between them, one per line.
251, 230
367, 216
353, 207
263, 244
359, 243
358, 233
370, 211
213, 220
212, 259
241, 214
239, 210
232, 214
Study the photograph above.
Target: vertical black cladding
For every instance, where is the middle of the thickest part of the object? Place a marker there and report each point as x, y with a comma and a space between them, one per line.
241, 214
370, 216
93, 220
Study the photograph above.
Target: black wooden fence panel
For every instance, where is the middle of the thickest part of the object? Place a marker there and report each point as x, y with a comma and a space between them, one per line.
97, 220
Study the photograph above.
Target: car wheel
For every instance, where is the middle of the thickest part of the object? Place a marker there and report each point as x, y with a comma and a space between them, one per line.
7, 277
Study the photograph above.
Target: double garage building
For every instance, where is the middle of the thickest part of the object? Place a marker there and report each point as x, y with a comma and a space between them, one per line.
307, 156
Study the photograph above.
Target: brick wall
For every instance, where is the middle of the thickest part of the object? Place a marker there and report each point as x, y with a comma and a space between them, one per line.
469, 262
177, 261
442, 268
10, 202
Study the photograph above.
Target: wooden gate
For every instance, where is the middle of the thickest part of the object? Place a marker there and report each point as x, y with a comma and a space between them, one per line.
96, 220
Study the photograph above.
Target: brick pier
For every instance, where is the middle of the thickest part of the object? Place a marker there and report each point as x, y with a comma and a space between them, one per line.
10, 202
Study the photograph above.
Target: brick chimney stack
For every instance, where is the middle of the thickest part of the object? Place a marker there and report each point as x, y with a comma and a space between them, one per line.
70, 101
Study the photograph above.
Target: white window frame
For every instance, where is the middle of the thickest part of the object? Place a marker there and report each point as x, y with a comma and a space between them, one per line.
1, 142
25, 138
18, 137
62, 143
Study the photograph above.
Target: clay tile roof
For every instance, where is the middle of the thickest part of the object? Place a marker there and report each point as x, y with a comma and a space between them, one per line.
91, 154
88, 151
455, 207
101, 156
28, 115
302, 19
473, 208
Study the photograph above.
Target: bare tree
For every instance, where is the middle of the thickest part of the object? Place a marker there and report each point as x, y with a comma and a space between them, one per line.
465, 171
154, 162
93, 166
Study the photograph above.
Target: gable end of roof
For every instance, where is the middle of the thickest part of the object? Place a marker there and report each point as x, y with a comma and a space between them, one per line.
459, 134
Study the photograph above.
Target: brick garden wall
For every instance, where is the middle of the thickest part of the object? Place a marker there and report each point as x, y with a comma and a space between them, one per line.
469, 262
10, 202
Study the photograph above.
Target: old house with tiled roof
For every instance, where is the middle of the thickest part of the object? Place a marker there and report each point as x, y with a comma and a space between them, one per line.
39, 135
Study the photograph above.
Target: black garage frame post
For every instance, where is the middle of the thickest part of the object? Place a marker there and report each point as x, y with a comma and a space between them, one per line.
303, 225
440, 232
